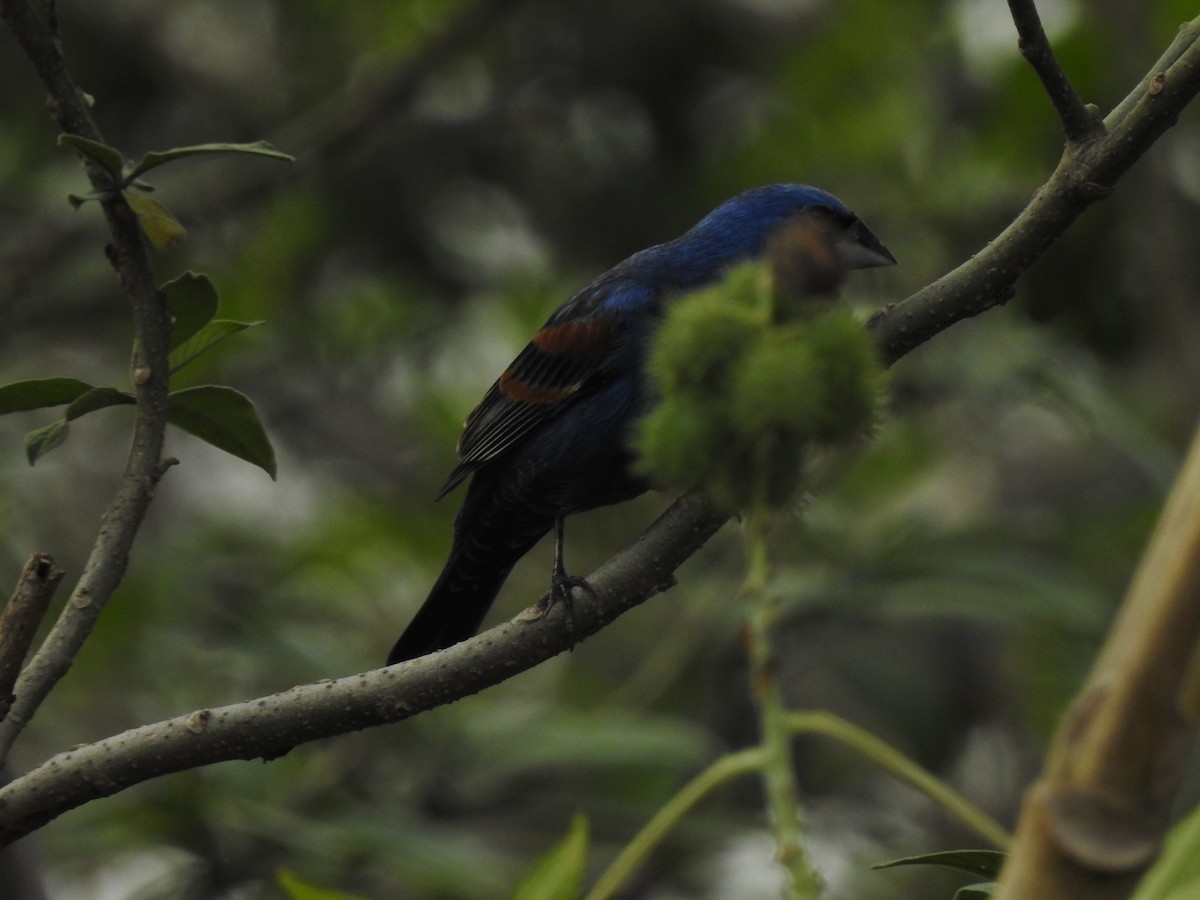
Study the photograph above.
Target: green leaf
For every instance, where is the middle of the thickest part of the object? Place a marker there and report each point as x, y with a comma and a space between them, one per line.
97, 398
156, 220
981, 891
21, 396
224, 418
296, 888
1176, 874
980, 863
192, 302
153, 160
205, 339
106, 157
558, 875
41, 441
81, 398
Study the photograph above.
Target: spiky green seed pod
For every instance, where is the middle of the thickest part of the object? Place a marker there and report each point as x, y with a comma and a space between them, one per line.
776, 387
679, 441
851, 376
699, 344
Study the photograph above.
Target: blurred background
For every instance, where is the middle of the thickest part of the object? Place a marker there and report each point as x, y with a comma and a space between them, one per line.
463, 168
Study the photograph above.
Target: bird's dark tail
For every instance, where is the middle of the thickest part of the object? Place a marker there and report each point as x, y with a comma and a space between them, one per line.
491, 533
453, 611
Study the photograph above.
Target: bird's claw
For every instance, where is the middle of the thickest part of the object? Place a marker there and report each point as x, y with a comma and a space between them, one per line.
561, 587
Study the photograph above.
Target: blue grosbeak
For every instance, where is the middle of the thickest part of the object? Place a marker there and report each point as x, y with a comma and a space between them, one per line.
550, 437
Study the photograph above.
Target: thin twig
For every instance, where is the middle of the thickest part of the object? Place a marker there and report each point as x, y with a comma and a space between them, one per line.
1080, 123
21, 617
127, 253
1086, 173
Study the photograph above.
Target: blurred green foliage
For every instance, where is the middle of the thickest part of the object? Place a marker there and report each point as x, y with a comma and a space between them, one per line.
945, 588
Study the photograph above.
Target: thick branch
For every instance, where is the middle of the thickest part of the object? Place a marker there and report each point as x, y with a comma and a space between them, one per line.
1093, 822
271, 726
127, 252
1079, 122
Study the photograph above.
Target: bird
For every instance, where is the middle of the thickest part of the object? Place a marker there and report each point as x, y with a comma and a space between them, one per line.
551, 436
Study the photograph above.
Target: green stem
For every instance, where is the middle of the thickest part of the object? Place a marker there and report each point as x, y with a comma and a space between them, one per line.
773, 756
744, 762
652, 834
893, 761
779, 781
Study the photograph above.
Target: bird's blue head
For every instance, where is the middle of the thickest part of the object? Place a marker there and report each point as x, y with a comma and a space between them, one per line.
740, 227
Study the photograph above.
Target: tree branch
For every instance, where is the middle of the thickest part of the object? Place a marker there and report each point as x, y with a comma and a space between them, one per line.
152, 327
269, 726
1085, 173
1080, 123
1093, 823
20, 619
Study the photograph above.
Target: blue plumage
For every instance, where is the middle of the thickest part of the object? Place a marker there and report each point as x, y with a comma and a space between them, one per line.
550, 436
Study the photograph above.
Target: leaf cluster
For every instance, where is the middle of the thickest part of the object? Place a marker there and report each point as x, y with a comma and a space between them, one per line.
218, 414
157, 221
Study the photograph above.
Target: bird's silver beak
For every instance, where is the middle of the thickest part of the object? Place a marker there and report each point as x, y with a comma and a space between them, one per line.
859, 248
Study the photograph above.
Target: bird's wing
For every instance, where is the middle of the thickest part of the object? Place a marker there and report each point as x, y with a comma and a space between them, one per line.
558, 366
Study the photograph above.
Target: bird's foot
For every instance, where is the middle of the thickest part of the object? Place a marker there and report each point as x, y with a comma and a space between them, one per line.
561, 587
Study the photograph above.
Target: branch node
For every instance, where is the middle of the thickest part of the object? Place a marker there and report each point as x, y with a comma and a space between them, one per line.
1101, 833
20, 619
1091, 191
197, 722
163, 467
